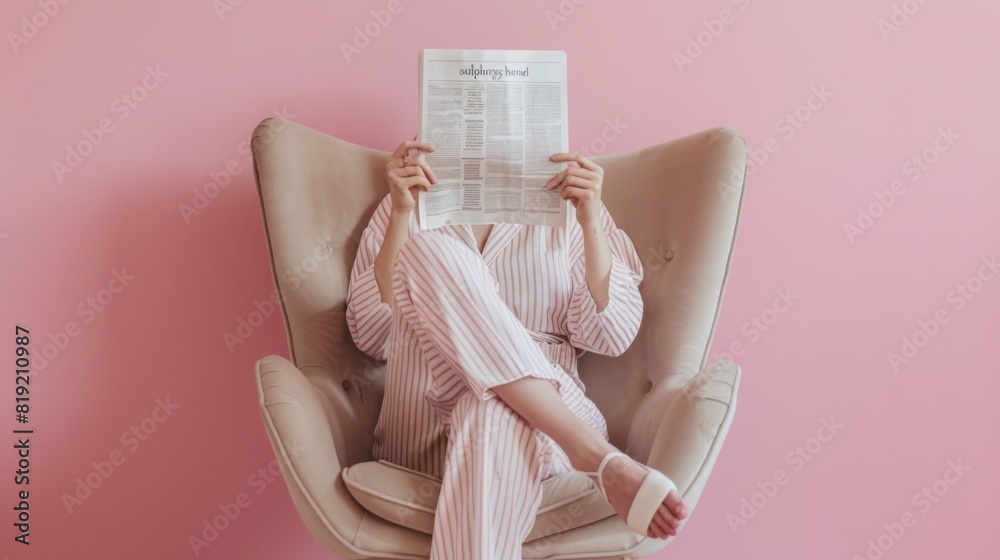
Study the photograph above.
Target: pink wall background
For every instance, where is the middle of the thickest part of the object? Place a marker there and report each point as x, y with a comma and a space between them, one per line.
200, 80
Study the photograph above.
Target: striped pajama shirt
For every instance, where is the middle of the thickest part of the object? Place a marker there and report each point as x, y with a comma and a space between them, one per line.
462, 322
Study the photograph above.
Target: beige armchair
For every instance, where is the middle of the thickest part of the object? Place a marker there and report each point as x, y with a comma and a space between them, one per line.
679, 201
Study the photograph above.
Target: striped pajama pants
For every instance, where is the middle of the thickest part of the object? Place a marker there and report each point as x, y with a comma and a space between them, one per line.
448, 303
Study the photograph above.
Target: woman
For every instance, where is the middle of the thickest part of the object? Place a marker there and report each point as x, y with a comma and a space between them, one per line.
481, 327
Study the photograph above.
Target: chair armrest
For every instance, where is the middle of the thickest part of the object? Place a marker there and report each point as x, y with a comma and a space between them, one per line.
680, 427
302, 437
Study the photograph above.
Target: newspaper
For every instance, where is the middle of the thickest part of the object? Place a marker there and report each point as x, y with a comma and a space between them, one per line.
494, 118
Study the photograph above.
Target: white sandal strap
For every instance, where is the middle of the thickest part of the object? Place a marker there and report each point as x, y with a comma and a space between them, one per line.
652, 492
600, 470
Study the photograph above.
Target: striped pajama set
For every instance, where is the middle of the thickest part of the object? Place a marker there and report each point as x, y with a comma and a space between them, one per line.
464, 321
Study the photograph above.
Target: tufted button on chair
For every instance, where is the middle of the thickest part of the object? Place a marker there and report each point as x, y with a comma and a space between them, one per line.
666, 406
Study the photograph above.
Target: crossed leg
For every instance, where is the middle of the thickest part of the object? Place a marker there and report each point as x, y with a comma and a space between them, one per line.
492, 484
500, 449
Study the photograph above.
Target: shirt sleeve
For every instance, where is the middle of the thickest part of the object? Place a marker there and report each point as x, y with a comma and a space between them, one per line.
368, 317
611, 330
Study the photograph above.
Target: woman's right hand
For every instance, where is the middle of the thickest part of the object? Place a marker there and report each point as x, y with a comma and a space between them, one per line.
405, 172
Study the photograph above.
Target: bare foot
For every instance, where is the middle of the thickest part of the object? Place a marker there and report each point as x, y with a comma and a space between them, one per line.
622, 478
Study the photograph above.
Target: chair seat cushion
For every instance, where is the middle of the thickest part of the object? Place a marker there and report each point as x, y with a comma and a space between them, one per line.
408, 498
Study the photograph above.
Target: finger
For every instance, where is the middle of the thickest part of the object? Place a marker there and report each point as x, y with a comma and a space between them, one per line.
577, 193
408, 158
428, 172
558, 178
561, 176
398, 171
581, 159
395, 163
415, 181
408, 144
409, 171
412, 156
575, 181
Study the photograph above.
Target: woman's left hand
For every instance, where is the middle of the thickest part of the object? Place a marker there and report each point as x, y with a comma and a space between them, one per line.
581, 183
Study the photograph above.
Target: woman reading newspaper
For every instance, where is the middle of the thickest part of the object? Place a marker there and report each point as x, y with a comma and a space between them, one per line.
481, 327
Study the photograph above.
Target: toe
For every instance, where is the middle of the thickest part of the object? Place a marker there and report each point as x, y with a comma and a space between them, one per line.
663, 514
663, 522
655, 530
676, 504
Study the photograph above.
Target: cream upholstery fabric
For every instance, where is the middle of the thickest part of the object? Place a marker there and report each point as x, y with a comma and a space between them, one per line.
680, 202
408, 498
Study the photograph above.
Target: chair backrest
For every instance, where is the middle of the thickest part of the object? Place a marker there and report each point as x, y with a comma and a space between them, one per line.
679, 202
